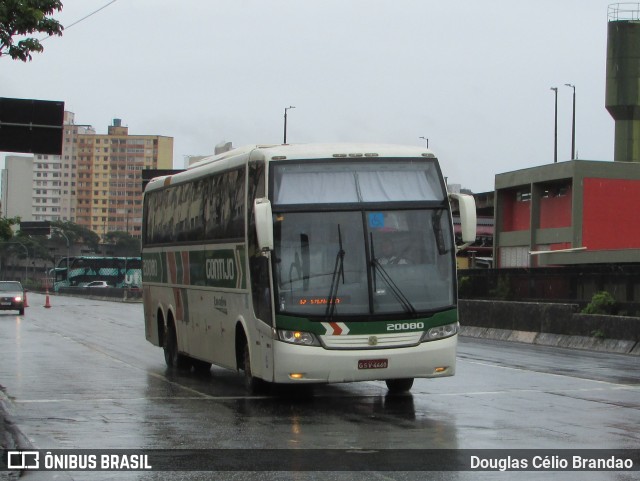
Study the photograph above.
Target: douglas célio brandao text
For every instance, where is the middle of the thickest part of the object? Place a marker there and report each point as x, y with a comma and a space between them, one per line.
551, 463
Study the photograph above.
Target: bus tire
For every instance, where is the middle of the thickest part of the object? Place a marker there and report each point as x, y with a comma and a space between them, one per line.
252, 384
396, 386
171, 355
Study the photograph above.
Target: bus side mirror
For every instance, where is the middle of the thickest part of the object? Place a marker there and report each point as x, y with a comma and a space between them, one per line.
468, 222
264, 224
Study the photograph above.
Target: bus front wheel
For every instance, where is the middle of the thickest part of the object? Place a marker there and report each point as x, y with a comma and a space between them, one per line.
252, 384
399, 385
171, 355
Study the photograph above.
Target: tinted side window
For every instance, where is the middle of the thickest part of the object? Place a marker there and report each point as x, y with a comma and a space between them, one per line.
211, 208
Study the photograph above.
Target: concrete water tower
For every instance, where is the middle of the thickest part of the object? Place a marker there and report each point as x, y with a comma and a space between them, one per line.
623, 78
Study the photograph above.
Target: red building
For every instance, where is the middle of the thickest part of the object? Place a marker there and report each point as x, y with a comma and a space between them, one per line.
576, 212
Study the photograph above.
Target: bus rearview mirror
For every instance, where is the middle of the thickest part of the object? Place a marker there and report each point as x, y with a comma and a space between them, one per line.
468, 221
264, 224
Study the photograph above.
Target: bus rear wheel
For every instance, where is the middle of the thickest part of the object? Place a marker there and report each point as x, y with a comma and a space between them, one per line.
171, 355
396, 386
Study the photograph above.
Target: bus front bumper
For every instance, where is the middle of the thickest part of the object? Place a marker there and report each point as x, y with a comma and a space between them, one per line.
310, 364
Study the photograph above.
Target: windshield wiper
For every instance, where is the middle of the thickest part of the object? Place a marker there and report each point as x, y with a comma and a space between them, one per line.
338, 271
395, 290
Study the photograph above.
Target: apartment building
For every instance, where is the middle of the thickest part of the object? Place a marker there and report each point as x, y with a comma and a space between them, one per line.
16, 200
96, 182
109, 177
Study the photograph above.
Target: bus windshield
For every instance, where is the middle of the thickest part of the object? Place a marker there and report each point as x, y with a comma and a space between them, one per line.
363, 263
357, 182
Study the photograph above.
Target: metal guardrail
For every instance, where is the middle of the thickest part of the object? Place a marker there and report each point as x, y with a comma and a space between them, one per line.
567, 284
114, 293
617, 12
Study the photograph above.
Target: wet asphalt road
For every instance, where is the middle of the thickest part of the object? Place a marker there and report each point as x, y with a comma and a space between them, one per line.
82, 376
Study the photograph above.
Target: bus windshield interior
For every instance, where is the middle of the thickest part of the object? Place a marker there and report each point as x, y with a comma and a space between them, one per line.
362, 263
373, 260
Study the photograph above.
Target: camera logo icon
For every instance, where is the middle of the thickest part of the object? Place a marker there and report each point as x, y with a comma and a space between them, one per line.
23, 460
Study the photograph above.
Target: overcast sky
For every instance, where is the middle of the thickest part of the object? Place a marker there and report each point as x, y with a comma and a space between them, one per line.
472, 76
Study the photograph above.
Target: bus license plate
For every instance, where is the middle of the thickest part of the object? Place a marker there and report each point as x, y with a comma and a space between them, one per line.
373, 363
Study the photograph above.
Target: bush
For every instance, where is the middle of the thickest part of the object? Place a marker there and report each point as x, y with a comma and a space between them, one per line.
502, 290
464, 286
601, 303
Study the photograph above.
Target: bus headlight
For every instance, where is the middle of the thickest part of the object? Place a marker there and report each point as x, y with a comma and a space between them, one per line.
440, 332
298, 337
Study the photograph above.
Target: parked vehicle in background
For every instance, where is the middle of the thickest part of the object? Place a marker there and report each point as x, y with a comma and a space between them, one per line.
98, 284
11, 296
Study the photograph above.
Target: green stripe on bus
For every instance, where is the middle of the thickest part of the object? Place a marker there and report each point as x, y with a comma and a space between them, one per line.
212, 268
367, 327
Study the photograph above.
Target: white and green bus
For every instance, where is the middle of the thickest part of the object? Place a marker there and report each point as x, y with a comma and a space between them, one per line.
302, 264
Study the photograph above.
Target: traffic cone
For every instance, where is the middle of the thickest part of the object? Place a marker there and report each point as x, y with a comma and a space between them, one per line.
26, 304
47, 304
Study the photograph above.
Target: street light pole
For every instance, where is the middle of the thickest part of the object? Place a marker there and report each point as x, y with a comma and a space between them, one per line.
573, 124
426, 140
61, 232
555, 132
285, 122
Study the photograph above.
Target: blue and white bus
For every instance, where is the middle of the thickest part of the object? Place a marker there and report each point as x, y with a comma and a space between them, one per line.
79, 271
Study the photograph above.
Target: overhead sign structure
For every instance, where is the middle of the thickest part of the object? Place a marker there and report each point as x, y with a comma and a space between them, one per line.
36, 228
31, 126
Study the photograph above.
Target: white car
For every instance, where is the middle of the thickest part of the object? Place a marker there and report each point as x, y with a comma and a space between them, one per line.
98, 284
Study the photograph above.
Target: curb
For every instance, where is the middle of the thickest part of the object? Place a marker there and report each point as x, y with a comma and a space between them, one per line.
585, 343
11, 438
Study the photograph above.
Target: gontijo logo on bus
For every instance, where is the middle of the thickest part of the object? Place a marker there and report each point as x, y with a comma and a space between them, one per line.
220, 269
223, 268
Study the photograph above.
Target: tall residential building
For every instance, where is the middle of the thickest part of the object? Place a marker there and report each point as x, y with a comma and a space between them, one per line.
16, 199
69, 167
109, 177
96, 182
54, 177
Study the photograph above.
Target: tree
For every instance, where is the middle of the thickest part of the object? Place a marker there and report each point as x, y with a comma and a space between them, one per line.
19, 18
124, 244
76, 234
6, 232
